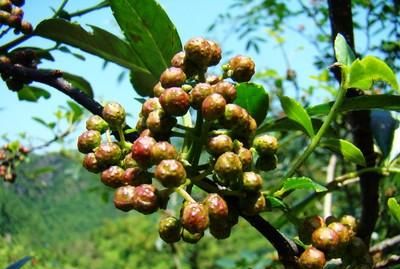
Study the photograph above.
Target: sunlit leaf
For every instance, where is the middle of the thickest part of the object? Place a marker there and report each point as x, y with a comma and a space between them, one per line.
76, 109
344, 54
297, 113
297, 183
49, 125
32, 94
394, 208
344, 148
79, 83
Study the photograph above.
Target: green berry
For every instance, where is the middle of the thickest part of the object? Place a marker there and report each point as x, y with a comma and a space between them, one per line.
265, 144
191, 238
175, 101
199, 93
325, 239
213, 106
194, 217
146, 199
169, 229
226, 89
129, 162
312, 258
219, 144
141, 150
172, 77
123, 198
216, 206
96, 123
88, 141
350, 221
114, 114
228, 167
251, 181
163, 151
246, 157
242, 68
108, 154
113, 176
170, 173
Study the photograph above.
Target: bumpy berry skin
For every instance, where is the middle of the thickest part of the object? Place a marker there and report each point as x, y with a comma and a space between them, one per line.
96, 123
216, 53
191, 238
253, 204
350, 221
172, 77
246, 157
267, 162
198, 51
163, 151
26, 28
88, 141
129, 162
325, 239
219, 144
170, 173
108, 154
228, 167
251, 181
312, 258
226, 89
213, 106
114, 114
342, 231
194, 217
158, 89
145, 199
216, 206
199, 93
90, 163
150, 105
234, 117
136, 176
113, 176
243, 68
123, 198
178, 60
309, 225
141, 150
175, 101
265, 144
169, 229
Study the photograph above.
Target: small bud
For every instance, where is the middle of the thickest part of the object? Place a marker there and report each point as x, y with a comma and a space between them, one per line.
178, 60
175, 101
172, 77
123, 198
88, 140
251, 181
145, 199
242, 68
169, 229
219, 144
312, 258
170, 173
265, 145
96, 123
194, 217
213, 107
136, 176
228, 167
114, 114
113, 176
108, 154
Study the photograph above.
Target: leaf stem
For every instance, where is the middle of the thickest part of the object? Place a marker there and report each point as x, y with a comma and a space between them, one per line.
185, 195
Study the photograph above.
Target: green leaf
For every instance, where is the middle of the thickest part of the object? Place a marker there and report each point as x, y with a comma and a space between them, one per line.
76, 109
297, 183
346, 149
344, 54
14, 146
32, 94
49, 125
366, 102
275, 202
79, 82
99, 42
394, 208
363, 73
254, 99
151, 35
297, 113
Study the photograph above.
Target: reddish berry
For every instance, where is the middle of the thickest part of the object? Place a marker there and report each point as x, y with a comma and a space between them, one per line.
242, 67
219, 144
178, 60
89, 140
175, 101
145, 199
343, 231
123, 198
325, 239
215, 53
199, 93
141, 150
113, 176
114, 114
194, 217
150, 105
309, 225
169, 229
312, 258
108, 154
228, 167
172, 77
198, 51
213, 106
90, 163
216, 206
170, 173
135, 176
226, 89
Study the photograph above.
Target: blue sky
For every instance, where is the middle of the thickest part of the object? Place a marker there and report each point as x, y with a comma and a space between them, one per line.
191, 18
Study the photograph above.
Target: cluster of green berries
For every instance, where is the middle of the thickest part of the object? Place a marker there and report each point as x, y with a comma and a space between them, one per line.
332, 238
10, 158
146, 171
11, 15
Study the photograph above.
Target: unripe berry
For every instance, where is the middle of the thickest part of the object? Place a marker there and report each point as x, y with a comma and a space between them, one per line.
219, 144
160, 124
88, 140
16, 11
242, 68
158, 89
228, 167
96, 123
90, 163
135, 176
226, 89
251, 181
141, 150
169, 229
113, 176
175, 101
265, 144
309, 225
198, 51
24, 150
246, 157
234, 117
5, 5
108, 154
194, 217
220, 229
312, 258
215, 53
172, 77
342, 231
163, 151
170, 173
123, 198
216, 206
350, 221
199, 93
178, 59
145, 199
325, 239
150, 105
267, 162
114, 114
191, 238
253, 204
213, 107
213, 79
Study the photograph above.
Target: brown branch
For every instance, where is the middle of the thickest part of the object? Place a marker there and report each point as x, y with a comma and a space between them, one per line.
341, 22
54, 79
385, 244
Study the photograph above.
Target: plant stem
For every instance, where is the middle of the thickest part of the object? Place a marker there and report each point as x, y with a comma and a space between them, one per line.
100, 5
182, 192
60, 9
317, 138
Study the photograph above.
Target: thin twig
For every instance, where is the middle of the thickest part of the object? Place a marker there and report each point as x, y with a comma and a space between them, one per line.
387, 243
